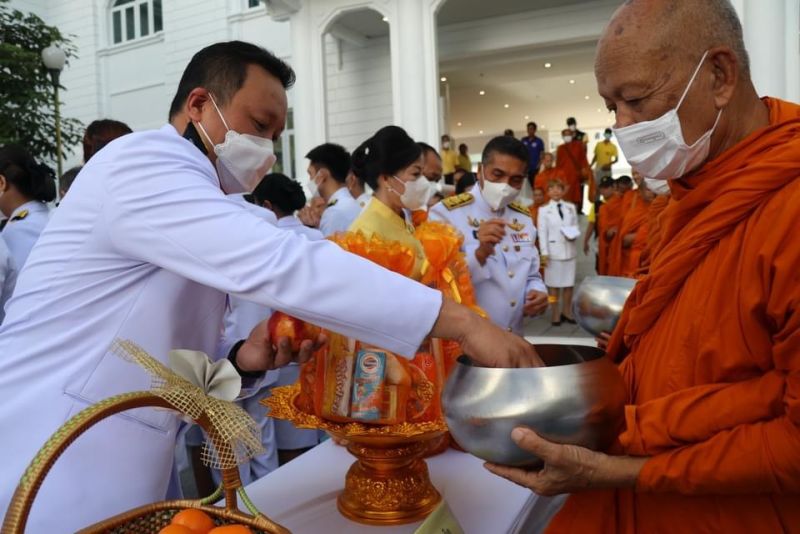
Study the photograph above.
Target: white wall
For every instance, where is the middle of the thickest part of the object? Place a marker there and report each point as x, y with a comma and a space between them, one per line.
358, 82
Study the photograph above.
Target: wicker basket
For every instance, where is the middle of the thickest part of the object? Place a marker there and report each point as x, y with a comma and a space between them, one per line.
146, 519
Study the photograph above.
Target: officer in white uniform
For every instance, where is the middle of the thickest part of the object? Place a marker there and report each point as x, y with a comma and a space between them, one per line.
147, 247
499, 236
328, 168
26, 187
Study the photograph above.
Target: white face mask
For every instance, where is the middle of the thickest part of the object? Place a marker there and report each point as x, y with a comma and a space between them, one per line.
573, 127
242, 159
313, 186
417, 193
498, 195
607, 137
659, 187
567, 138
446, 145
657, 149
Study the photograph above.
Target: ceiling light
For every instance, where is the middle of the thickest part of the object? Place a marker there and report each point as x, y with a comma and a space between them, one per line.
547, 65
599, 110
481, 92
480, 131
385, 19
458, 124
506, 106
586, 97
527, 117
443, 78
572, 81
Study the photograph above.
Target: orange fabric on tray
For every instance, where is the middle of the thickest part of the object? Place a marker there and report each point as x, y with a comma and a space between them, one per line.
709, 343
657, 206
573, 169
609, 216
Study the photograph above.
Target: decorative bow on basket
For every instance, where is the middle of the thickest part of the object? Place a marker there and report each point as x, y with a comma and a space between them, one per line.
196, 388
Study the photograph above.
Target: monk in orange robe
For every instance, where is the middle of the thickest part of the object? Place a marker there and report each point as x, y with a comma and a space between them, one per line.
597, 229
653, 233
709, 340
633, 233
573, 167
547, 173
608, 222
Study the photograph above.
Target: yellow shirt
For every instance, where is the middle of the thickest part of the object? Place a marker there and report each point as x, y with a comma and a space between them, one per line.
591, 217
464, 162
378, 218
449, 161
605, 153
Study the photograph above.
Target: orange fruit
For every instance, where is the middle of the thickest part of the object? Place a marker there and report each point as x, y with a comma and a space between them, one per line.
231, 529
197, 521
176, 529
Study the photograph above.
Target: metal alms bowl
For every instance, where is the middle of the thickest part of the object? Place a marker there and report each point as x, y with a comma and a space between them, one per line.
599, 300
578, 398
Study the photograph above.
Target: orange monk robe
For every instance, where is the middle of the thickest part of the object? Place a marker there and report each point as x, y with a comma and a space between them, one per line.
634, 223
544, 177
653, 233
574, 168
627, 200
710, 340
609, 216
615, 245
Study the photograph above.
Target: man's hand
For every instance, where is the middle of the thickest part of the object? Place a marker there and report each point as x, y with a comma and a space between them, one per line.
627, 240
544, 260
610, 233
309, 216
569, 468
483, 341
602, 340
490, 233
586, 247
260, 353
535, 303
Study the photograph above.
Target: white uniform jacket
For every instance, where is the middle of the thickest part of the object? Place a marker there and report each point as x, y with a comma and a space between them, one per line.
552, 242
502, 283
145, 247
340, 213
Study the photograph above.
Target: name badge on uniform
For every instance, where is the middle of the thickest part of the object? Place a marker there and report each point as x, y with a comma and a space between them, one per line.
521, 237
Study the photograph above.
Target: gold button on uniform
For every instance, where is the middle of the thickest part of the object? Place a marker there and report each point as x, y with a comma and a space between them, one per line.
510, 274
509, 329
505, 248
513, 303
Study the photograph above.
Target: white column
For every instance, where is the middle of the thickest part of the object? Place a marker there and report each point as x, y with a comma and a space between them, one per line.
415, 69
764, 27
308, 92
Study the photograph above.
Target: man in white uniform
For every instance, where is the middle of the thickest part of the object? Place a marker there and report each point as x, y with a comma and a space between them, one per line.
145, 247
328, 169
499, 236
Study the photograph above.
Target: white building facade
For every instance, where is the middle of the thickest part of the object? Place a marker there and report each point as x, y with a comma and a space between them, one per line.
362, 64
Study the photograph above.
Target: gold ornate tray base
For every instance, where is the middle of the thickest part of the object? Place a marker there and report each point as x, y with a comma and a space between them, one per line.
388, 484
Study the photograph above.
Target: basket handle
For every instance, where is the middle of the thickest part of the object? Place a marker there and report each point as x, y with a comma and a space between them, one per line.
19, 508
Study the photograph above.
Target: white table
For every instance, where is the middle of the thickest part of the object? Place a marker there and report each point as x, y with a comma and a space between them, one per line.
301, 495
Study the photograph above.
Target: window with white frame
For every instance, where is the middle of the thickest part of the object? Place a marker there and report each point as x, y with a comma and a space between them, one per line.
252, 3
135, 19
284, 149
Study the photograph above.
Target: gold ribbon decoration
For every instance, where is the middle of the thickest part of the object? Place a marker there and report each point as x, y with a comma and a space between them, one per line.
194, 395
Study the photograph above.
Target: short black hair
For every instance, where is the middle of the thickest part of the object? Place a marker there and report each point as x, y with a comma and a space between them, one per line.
385, 153
427, 149
531, 124
465, 182
505, 144
333, 157
281, 191
65, 182
608, 131
607, 181
625, 179
509, 132
221, 68
33, 180
462, 145
571, 120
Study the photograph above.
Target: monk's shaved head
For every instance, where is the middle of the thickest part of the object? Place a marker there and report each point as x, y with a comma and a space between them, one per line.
680, 26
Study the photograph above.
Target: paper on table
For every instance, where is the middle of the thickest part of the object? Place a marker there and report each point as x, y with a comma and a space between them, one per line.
570, 232
440, 521
218, 379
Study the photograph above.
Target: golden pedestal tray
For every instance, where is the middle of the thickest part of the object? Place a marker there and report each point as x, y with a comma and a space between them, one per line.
388, 484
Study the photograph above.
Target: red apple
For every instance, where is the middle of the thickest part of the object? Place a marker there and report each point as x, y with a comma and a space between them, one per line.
282, 325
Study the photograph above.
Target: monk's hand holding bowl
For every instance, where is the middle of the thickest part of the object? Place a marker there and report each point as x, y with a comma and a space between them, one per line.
569, 468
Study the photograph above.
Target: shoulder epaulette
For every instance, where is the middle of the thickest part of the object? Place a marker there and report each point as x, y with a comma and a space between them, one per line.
19, 216
519, 208
333, 202
464, 199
